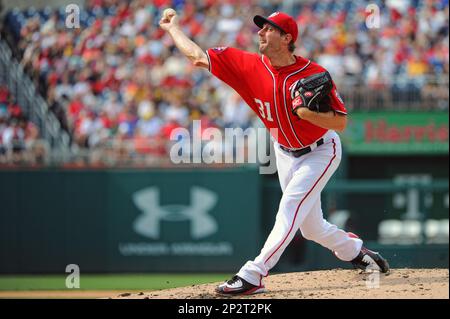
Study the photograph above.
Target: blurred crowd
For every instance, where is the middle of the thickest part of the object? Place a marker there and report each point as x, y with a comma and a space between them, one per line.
19, 137
119, 76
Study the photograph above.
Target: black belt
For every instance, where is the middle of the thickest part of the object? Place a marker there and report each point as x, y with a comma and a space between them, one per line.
302, 151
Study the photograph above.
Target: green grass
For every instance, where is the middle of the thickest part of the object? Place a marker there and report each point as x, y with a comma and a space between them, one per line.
109, 282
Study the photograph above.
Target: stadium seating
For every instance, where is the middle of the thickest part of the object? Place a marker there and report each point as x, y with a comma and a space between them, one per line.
118, 62
19, 137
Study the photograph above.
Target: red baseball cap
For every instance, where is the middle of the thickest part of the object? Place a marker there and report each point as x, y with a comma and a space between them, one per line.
280, 21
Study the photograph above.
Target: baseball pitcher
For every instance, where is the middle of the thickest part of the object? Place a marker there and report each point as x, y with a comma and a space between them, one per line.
297, 98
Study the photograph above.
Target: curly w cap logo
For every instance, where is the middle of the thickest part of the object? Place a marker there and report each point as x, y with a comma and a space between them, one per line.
148, 224
274, 14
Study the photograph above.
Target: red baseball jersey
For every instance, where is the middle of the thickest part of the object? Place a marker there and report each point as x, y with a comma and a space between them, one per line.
267, 90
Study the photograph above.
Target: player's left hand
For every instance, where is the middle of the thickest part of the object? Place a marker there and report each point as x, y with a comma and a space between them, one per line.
312, 93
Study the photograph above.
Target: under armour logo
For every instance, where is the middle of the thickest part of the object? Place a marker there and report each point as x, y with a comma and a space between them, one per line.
148, 224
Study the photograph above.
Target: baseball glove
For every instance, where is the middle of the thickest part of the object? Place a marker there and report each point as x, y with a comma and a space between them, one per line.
312, 92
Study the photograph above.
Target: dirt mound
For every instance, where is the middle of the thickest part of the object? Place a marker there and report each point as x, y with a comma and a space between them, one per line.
338, 283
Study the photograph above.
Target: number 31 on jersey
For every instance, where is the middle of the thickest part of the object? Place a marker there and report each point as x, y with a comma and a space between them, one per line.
264, 110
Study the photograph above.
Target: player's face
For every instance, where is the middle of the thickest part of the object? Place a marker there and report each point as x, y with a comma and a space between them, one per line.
270, 40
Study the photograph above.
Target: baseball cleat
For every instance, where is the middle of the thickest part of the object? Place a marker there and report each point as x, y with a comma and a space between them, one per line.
239, 286
368, 260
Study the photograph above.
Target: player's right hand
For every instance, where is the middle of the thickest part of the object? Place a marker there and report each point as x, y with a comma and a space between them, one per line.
168, 20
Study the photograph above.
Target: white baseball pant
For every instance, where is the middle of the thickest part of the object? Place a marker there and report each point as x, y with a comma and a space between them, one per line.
302, 180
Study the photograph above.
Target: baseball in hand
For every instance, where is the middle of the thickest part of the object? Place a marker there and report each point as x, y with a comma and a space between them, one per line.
168, 13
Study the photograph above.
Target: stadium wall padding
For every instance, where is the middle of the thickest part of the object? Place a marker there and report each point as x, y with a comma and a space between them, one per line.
164, 220
128, 221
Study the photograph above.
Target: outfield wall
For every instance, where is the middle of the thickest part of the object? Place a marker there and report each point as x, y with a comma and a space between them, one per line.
177, 220
128, 221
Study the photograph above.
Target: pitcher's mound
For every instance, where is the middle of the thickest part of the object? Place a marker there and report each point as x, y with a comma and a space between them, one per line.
338, 283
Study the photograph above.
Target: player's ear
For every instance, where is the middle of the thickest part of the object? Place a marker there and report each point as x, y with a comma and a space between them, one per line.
288, 38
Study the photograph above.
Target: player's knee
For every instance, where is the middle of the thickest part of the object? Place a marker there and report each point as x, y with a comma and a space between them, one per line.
308, 233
